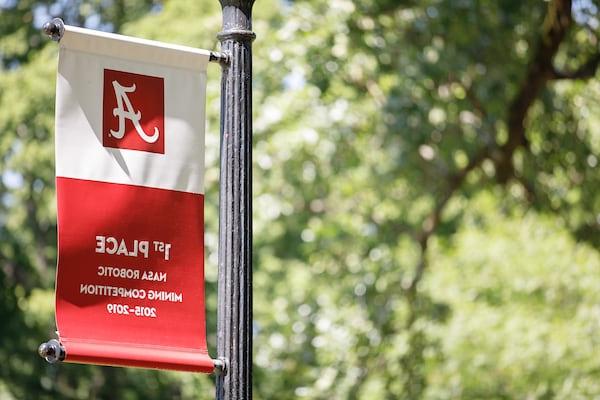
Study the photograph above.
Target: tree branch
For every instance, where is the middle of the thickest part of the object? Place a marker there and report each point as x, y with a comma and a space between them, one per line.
475, 102
433, 221
540, 70
586, 71
557, 22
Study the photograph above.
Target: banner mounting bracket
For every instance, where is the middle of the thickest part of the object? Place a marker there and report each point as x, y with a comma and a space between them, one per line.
221, 364
55, 30
221, 58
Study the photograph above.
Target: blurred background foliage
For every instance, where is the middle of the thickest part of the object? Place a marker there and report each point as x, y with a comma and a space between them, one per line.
426, 198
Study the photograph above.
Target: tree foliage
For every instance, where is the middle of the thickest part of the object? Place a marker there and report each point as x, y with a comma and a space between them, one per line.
425, 198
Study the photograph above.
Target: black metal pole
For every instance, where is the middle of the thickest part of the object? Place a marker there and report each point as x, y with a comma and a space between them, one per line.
234, 326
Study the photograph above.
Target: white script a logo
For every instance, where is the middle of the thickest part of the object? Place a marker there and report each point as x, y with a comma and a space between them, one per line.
121, 96
133, 112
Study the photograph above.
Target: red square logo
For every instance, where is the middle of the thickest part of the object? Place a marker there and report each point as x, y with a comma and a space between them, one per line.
133, 115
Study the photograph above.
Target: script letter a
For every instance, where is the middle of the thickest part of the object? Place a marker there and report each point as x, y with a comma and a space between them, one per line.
128, 112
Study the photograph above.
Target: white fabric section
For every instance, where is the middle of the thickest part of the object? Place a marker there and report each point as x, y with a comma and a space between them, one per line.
79, 150
141, 50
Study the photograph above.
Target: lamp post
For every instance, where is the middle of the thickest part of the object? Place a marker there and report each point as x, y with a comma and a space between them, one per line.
234, 322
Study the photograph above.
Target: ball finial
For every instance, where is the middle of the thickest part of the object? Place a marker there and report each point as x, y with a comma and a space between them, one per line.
54, 29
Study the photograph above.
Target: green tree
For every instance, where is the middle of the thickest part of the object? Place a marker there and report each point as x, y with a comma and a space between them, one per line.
414, 108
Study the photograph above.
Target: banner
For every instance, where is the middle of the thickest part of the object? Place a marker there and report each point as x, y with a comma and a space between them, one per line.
130, 118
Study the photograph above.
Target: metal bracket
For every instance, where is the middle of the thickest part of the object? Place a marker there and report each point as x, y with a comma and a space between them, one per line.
221, 58
52, 351
221, 365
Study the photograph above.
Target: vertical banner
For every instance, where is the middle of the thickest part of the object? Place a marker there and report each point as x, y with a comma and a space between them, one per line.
129, 180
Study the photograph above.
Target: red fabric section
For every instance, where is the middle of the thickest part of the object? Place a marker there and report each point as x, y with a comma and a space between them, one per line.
121, 297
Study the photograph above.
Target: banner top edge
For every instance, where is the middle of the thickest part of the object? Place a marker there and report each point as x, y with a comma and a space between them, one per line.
144, 50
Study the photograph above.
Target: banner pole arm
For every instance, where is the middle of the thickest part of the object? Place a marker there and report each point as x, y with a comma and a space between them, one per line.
55, 30
234, 318
53, 351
